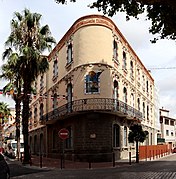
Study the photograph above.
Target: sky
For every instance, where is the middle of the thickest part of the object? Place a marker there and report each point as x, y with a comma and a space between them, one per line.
158, 57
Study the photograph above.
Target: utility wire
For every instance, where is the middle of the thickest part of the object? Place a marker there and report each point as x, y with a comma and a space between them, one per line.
162, 68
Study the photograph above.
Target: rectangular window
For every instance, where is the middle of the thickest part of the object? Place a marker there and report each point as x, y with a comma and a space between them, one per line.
166, 121
167, 132
172, 123
92, 82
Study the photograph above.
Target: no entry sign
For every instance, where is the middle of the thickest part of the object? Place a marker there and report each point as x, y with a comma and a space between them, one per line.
63, 133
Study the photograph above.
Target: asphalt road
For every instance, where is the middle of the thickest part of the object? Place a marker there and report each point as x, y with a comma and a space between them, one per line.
164, 168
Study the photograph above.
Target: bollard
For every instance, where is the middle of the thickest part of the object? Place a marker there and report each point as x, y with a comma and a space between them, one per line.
61, 162
130, 158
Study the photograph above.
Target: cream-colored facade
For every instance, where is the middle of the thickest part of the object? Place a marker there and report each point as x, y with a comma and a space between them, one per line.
93, 69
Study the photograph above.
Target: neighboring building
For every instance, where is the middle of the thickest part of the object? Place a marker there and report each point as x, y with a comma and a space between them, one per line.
10, 126
96, 87
167, 129
157, 117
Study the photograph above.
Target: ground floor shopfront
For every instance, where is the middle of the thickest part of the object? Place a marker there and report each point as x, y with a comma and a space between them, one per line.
94, 135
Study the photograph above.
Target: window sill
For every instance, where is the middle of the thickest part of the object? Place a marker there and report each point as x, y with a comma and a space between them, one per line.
92, 93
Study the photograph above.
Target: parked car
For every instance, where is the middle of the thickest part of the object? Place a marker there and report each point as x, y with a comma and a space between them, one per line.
174, 150
4, 168
14, 146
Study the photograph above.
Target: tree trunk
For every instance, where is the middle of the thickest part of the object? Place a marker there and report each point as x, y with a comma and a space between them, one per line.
137, 151
17, 110
25, 117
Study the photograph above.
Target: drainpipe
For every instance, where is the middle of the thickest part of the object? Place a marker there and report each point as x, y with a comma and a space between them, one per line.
46, 127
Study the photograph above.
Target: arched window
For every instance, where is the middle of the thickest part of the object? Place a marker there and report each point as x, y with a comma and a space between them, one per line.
124, 61
132, 100
116, 94
69, 53
143, 110
147, 112
143, 82
125, 99
116, 135
55, 68
131, 69
125, 95
147, 86
115, 50
116, 87
55, 101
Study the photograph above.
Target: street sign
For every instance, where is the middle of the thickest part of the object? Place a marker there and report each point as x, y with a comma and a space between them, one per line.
63, 133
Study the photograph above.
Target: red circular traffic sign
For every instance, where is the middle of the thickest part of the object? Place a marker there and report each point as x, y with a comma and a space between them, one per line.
63, 133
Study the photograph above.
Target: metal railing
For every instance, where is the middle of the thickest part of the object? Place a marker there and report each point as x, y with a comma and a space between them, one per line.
93, 104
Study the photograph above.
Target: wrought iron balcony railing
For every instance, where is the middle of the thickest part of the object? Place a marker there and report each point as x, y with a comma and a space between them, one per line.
93, 104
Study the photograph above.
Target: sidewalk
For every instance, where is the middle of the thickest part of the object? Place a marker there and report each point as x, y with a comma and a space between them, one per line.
56, 163
67, 164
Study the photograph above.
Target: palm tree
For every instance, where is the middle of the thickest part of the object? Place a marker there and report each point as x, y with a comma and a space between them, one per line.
137, 135
14, 85
30, 40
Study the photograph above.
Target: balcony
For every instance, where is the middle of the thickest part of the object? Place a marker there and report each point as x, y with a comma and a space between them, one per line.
105, 105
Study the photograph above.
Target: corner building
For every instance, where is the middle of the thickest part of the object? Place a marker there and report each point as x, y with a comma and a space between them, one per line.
96, 87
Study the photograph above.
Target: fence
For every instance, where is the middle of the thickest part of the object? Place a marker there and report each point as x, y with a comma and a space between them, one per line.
153, 151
